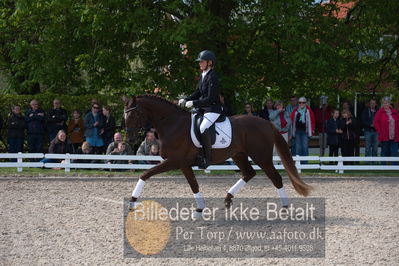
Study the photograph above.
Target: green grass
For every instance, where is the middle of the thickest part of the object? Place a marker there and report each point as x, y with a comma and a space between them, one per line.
51, 172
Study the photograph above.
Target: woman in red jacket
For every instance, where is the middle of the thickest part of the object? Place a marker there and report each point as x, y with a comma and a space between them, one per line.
386, 123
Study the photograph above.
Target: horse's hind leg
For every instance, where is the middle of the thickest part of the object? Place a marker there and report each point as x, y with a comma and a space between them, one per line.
241, 160
268, 167
199, 198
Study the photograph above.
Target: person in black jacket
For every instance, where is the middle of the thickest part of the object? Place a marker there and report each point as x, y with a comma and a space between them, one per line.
59, 145
16, 130
206, 99
85, 149
370, 134
35, 119
264, 113
333, 133
56, 119
348, 127
109, 128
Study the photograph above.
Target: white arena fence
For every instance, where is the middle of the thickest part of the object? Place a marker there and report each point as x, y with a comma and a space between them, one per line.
23, 160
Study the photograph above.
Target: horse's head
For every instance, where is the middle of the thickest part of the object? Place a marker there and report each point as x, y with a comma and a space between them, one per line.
134, 118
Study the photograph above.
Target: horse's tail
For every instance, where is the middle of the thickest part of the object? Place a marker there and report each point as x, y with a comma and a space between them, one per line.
289, 164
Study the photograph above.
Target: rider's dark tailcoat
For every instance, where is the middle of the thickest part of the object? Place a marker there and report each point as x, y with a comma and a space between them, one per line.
206, 96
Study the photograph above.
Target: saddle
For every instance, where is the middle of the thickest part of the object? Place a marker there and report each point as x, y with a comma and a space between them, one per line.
220, 135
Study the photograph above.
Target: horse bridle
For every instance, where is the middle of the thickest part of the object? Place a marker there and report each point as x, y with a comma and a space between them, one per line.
134, 108
130, 129
130, 109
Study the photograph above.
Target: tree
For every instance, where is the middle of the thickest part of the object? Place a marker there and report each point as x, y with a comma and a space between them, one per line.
264, 48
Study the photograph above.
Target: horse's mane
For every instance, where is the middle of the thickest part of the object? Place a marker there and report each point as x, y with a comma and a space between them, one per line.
163, 101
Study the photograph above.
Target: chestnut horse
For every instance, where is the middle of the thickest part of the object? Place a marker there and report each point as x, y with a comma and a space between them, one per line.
251, 136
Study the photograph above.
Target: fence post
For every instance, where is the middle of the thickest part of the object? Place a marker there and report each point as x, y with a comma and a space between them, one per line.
67, 161
19, 160
298, 163
340, 165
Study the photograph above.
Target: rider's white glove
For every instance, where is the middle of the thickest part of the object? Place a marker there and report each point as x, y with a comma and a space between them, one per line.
189, 104
182, 102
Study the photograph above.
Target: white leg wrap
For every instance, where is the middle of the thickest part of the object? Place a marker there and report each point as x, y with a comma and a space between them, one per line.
283, 196
237, 187
199, 198
137, 190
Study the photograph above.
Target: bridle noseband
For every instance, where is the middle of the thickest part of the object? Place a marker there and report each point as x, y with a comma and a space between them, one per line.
130, 109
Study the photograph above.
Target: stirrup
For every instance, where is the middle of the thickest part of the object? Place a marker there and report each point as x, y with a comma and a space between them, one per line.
203, 164
201, 161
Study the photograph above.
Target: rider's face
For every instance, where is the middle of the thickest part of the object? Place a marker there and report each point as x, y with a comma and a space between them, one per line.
203, 65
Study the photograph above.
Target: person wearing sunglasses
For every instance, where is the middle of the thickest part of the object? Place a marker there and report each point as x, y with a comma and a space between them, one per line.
303, 124
94, 123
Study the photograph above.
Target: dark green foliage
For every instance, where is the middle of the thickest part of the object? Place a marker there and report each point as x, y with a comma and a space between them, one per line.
264, 48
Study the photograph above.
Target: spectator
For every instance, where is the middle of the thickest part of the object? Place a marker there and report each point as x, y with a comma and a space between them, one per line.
386, 123
357, 126
145, 146
94, 123
76, 129
119, 150
56, 119
347, 125
59, 145
35, 118
293, 103
85, 149
370, 134
333, 133
227, 111
248, 110
92, 102
290, 107
281, 119
303, 124
345, 105
154, 151
109, 126
323, 113
264, 113
16, 130
269, 104
155, 132
114, 145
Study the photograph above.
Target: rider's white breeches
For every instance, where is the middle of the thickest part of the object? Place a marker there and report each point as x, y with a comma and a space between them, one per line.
209, 119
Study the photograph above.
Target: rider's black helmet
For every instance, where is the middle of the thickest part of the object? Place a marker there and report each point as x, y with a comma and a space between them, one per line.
206, 55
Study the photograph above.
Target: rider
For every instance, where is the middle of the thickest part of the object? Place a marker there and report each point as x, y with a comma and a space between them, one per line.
206, 98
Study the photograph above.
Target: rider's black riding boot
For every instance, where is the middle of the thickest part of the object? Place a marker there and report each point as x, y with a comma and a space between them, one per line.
207, 149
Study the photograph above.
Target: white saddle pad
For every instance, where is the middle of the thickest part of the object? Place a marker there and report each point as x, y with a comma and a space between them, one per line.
223, 135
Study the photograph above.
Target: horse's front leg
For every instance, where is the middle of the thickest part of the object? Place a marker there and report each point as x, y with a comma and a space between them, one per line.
163, 166
199, 198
